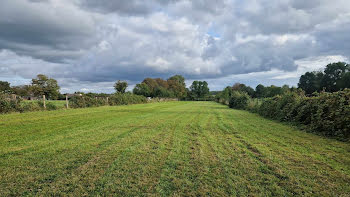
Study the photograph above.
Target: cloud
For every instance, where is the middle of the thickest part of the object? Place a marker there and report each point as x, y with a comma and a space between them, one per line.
93, 43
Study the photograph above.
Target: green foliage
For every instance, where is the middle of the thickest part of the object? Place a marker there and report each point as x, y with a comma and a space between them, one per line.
42, 85
243, 88
325, 113
32, 106
120, 86
224, 96
336, 76
7, 104
126, 99
310, 82
116, 99
51, 106
23, 90
199, 90
174, 87
5, 87
142, 89
239, 100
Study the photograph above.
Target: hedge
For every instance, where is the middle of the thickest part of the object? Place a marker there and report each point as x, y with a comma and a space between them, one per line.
324, 113
116, 99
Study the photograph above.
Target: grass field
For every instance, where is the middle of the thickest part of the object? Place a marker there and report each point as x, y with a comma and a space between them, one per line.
166, 149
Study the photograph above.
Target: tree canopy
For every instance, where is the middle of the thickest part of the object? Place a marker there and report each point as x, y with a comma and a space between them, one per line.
156, 87
199, 89
120, 86
5, 87
43, 85
335, 77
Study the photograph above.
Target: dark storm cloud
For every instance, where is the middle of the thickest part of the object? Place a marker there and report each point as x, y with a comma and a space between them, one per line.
37, 27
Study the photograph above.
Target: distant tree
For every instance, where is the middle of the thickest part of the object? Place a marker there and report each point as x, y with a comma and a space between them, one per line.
5, 87
225, 95
142, 89
42, 85
23, 90
272, 91
199, 89
310, 82
177, 86
120, 86
345, 81
333, 73
243, 88
260, 91
151, 83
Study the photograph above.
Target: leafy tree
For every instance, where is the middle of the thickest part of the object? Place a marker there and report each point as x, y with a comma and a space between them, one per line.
243, 88
42, 85
142, 89
151, 83
199, 89
272, 91
310, 82
333, 73
5, 87
260, 91
120, 86
345, 81
23, 90
177, 86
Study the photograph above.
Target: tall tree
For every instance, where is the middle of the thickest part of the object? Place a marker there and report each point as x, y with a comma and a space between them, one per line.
310, 82
120, 86
243, 88
177, 86
199, 89
332, 76
42, 85
142, 89
260, 91
5, 87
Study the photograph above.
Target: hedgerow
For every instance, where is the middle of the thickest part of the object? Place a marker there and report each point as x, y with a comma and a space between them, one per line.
116, 99
325, 113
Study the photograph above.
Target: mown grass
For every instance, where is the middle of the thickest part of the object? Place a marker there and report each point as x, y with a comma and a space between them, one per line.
166, 149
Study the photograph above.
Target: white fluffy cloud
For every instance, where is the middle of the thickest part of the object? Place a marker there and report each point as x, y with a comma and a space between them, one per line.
89, 44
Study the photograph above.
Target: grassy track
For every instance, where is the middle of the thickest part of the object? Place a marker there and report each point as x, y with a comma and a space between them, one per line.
166, 149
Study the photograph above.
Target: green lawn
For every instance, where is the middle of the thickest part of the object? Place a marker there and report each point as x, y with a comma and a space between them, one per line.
166, 149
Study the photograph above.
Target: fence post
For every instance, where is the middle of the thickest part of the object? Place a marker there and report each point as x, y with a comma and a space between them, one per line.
107, 101
44, 100
67, 101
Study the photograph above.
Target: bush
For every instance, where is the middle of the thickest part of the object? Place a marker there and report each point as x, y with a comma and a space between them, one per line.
9, 105
51, 106
239, 100
126, 99
116, 99
326, 113
32, 106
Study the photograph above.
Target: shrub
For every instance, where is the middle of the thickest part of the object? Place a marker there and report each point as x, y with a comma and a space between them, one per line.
239, 100
51, 106
31, 106
9, 105
116, 99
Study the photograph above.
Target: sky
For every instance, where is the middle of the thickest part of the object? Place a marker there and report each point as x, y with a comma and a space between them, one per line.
87, 45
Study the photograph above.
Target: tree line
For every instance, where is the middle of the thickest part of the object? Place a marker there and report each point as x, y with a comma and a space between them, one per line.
173, 87
334, 77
